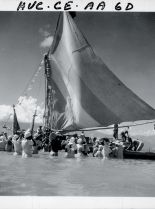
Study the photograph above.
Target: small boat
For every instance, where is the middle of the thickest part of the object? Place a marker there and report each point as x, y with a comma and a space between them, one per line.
139, 155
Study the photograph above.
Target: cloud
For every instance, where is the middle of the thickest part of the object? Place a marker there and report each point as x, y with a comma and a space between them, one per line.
44, 33
5, 111
48, 38
46, 42
24, 111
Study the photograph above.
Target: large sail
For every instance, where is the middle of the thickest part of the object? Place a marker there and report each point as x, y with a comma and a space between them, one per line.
88, 94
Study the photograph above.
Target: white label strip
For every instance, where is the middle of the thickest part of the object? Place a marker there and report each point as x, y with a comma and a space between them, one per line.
78, 5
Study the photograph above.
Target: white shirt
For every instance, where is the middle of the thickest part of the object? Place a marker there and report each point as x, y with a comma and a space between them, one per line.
17, 146
27, 148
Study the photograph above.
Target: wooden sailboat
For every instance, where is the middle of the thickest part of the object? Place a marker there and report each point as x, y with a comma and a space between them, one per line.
81, 91
87, 93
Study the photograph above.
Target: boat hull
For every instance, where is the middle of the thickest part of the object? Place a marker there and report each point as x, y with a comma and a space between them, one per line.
139, 155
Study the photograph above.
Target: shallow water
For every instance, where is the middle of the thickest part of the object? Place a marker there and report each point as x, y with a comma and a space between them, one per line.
45, 176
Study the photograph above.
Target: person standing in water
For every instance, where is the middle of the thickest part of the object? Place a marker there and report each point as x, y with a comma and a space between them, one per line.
35, 146
3, 141
71, 148
81, 151
17, 145
99, 152
27, 144
106, 149
54, 144
9, 144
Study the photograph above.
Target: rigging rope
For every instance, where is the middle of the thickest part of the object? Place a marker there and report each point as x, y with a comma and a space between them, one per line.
27, 88
31, 82
38, 94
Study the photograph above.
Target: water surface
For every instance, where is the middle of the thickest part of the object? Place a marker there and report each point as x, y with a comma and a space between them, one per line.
45, 176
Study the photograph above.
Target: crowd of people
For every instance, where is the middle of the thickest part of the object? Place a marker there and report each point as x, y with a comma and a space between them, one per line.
26, 144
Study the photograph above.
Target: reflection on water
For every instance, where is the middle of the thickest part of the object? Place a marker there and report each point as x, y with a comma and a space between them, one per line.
45, 176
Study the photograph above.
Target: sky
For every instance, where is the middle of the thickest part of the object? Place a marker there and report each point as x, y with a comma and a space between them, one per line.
124, 41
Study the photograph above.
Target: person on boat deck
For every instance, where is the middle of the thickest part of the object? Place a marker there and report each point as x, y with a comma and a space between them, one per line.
123, 136
128, 141
137, 145
115, 132
9, 144
54, 144
27, 144
94, 140
17, 144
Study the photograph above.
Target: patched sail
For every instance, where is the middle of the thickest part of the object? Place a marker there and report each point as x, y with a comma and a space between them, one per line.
87, 93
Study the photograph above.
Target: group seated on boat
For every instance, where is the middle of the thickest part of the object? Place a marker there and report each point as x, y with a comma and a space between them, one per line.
26, 144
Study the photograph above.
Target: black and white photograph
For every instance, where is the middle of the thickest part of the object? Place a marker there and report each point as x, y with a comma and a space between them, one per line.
77, 104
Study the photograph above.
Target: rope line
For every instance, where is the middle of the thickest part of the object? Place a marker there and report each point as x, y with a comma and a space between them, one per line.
30, 82
28, 85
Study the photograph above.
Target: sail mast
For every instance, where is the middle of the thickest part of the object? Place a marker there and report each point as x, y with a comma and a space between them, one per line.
48, 92
45, 109
33, 121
